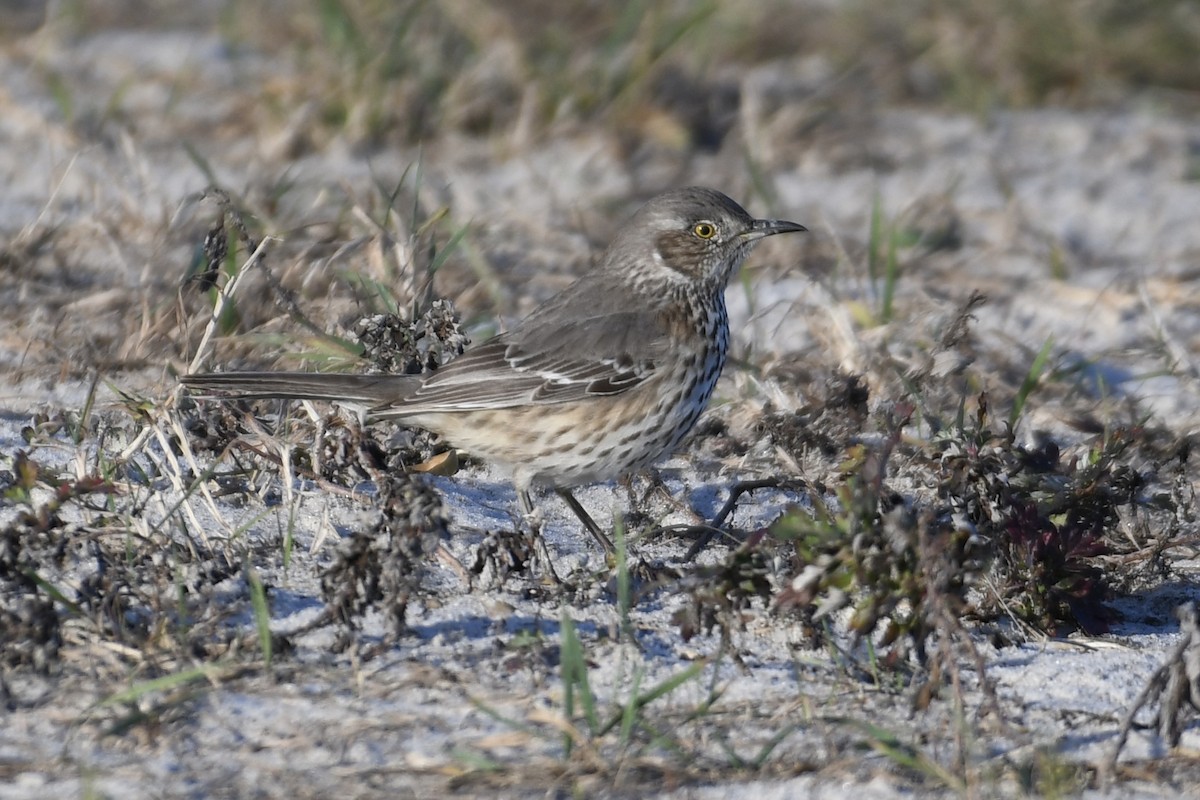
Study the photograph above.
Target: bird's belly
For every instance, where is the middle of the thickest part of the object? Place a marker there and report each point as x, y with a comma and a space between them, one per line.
627, 433
571, 444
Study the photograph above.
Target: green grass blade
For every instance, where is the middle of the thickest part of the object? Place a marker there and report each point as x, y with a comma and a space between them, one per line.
630, 714
661, 690
1032, 378
262, 611
162, 684
575, 674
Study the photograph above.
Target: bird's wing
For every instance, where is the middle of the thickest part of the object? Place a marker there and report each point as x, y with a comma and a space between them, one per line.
550, 358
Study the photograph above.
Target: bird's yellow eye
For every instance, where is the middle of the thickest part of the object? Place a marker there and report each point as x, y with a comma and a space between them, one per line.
705, 230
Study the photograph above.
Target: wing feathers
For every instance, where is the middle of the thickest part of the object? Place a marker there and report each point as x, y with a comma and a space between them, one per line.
579, 348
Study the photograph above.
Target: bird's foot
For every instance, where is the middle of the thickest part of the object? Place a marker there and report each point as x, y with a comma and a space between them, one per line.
547, 576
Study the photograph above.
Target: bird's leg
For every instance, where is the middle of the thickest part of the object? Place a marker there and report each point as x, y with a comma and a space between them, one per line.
533, 519
587, 521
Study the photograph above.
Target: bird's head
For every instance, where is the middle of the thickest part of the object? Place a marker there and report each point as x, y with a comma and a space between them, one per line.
694, 235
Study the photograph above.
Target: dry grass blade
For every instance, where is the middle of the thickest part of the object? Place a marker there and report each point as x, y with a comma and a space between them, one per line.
1176, 687
225, 295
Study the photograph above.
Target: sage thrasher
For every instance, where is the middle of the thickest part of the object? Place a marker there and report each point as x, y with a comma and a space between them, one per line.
603, 379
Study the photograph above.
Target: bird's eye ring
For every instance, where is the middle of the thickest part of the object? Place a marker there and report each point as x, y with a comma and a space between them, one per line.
705, 230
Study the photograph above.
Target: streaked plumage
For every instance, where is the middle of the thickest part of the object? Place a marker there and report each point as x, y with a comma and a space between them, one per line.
605, 378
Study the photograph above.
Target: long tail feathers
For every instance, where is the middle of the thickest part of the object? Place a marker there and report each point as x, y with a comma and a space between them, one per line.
370, 390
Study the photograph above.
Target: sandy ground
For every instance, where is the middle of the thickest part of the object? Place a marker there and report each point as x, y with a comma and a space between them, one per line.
1080, 227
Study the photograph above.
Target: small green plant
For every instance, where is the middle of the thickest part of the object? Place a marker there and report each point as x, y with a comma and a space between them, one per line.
909, 756
1036, 369
262, 610
581, 706
1053, 776
150, 702
896, 567
608, 734
886, 238
1044, 519
882, 262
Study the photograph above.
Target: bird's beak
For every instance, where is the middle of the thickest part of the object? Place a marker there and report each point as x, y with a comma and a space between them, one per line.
769, 227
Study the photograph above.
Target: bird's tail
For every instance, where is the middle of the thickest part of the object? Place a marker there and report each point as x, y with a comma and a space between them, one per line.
368, 390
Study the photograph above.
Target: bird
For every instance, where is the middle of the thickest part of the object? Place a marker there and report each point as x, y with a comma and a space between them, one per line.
601, 380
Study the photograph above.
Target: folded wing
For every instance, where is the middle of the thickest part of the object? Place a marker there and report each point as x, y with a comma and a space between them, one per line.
546, 360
